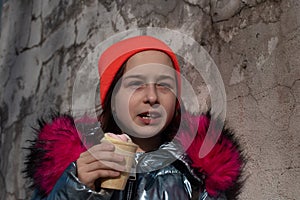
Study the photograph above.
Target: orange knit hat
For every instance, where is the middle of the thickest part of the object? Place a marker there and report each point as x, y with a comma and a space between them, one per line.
114, 57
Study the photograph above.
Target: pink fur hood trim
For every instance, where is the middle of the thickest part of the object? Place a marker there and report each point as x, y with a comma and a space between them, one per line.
57, 145
222, 166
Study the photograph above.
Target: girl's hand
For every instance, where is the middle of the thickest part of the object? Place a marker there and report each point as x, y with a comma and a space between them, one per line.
99, 161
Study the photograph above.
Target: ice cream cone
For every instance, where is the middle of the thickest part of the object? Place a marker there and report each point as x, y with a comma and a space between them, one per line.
127, 149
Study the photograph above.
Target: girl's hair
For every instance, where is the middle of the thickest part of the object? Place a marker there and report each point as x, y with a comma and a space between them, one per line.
106, 118
108, 123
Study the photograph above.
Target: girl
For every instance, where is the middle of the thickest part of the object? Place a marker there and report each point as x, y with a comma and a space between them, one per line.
140, 97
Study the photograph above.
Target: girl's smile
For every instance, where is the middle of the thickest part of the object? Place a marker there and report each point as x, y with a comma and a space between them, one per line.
150, 117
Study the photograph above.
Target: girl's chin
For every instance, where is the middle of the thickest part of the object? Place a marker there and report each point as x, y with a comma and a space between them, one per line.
145, 132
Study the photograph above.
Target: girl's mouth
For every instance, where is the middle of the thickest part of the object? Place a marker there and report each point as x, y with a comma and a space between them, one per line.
149, 117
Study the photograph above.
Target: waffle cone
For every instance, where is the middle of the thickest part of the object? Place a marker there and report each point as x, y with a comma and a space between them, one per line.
128, 150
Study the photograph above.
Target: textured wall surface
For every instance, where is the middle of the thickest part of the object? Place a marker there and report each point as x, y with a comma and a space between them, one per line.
255, 44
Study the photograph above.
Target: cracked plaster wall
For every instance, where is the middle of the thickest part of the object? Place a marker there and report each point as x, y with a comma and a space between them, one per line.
255, 44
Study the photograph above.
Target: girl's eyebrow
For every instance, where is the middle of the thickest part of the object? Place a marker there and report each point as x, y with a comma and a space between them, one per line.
162, 77
140, 76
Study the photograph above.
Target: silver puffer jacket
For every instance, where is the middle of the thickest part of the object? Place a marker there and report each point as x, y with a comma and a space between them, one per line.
168, 181
164, 174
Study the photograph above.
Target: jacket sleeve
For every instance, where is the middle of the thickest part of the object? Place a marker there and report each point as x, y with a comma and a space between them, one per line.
68, 186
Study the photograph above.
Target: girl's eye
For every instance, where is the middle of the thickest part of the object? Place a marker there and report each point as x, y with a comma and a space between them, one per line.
164, 85
135, 84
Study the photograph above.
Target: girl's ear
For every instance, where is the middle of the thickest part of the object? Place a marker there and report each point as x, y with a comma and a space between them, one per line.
113, 109
112, 104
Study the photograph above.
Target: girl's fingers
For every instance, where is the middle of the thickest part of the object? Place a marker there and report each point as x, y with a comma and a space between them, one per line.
103, 146
100, 161
102, 165
103, 151
98, 148
103, 156
90, 177
105, 173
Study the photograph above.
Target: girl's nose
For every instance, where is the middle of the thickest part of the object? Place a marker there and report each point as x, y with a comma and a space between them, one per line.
151, 94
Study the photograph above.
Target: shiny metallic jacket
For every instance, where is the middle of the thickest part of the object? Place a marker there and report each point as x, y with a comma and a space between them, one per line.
168, 181
168, 173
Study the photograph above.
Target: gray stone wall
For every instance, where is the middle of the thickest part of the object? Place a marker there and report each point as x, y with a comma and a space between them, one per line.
255, 44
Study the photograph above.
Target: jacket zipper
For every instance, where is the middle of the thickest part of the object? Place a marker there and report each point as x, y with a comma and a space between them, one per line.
130, 189
130, 186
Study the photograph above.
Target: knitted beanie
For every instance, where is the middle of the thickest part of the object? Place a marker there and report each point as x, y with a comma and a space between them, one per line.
116, 55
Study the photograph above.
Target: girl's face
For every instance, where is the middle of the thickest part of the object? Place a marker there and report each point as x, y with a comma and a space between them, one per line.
144, 104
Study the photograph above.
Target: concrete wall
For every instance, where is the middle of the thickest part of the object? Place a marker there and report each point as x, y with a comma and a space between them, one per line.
255, 44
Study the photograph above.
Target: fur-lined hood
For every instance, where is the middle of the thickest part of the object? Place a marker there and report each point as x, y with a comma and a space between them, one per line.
59, 143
